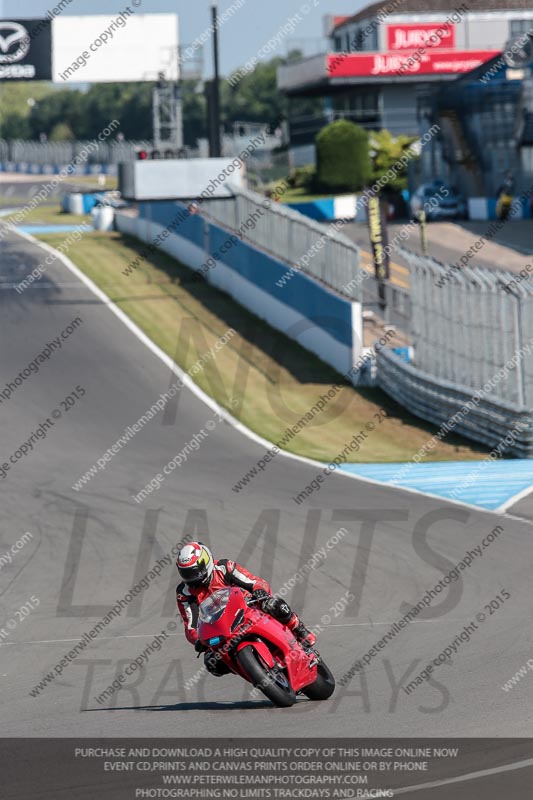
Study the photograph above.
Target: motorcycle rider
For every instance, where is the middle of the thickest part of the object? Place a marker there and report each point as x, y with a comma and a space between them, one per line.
202, 575
507, 187
505, 198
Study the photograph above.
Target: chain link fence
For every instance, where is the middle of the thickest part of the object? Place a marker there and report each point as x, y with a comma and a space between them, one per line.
271, 167
303, 244
61, 153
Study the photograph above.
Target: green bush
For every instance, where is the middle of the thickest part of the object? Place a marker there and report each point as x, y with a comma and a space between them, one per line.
343, 160
61, 132
388, 152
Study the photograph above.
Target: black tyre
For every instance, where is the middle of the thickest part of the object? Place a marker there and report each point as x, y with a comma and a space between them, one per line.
273, 684
324, 685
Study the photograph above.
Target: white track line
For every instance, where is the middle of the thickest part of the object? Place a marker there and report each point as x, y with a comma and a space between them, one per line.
40, 286
63, 641
523, 520
413, 622
151, 635
515, 499
471, 776
209, 401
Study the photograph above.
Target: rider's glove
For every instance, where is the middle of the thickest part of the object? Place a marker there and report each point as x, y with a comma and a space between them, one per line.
199, 647
270, 605
267, 603
260, 594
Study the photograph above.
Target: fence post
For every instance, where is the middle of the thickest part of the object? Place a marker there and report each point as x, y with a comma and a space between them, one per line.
520, 372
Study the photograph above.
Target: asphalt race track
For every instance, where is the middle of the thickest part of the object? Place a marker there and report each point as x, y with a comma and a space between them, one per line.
89, 547
448, 242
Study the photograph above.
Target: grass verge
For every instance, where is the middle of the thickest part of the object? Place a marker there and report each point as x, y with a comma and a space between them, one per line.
276, 380
300, 195
50, 215
91, 182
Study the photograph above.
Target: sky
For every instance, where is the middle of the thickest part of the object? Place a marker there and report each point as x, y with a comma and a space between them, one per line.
241, 37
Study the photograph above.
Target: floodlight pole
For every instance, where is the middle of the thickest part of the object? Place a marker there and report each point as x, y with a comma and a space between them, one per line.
215, 149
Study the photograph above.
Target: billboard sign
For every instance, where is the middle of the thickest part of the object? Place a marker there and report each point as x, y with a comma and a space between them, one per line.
25, 50
125, 47
438, 36
185, 178
375, 65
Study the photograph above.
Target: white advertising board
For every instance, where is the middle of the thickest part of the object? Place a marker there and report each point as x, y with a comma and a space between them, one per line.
186, 178
125, 47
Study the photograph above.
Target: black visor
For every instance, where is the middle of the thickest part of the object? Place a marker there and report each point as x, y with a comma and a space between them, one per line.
194, 576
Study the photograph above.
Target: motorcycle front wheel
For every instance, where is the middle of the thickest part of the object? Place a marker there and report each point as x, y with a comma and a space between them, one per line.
324, 685
272, 683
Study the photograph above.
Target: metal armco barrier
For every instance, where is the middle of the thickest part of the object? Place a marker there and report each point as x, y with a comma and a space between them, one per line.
305, 245
438, 401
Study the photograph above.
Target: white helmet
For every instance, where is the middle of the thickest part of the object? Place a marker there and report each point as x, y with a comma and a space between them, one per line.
195, 564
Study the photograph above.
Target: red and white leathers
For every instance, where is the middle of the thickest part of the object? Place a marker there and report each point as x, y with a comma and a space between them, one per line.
225, 573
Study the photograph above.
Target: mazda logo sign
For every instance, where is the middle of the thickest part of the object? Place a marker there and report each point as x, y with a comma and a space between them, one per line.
14, 42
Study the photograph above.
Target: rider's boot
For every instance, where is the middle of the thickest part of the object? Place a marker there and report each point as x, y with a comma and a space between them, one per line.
303, 634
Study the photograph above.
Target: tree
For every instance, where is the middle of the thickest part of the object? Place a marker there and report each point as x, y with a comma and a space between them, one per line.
387, 150
256, 98
61, 132
133, 108
64, 106
105, 102
194, 112
343, 160
88, 113
16, 102
15, 126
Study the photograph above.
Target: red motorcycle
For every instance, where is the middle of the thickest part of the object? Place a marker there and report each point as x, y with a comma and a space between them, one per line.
260, 649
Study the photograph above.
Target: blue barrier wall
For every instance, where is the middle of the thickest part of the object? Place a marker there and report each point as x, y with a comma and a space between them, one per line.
305, 310
304, 295
328, 209
169, 213
320, 210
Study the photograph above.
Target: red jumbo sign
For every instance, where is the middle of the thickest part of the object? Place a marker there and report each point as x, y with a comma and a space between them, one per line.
356, 65
409, 37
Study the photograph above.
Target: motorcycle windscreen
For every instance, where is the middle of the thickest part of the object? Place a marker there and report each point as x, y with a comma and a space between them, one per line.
214, 606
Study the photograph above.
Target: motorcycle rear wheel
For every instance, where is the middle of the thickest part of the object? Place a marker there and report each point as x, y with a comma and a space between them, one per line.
278, 690
324, 684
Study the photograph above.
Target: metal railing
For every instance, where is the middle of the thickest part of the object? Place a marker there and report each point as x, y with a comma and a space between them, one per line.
301, 243
398, 310
472, 333
468, 324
